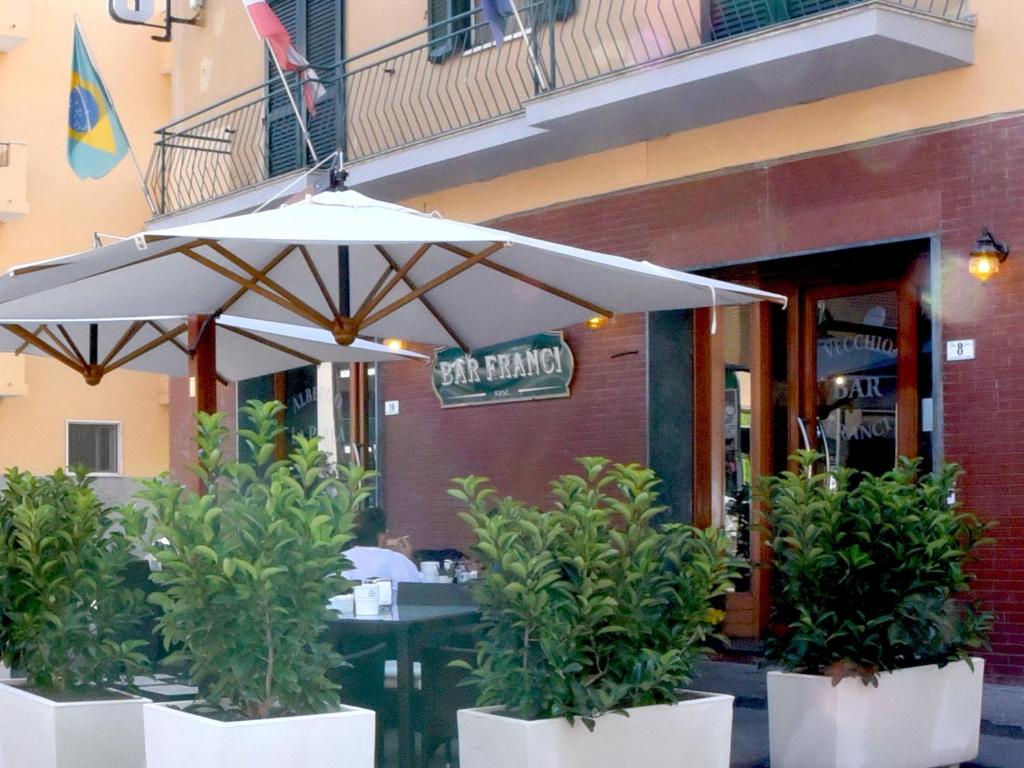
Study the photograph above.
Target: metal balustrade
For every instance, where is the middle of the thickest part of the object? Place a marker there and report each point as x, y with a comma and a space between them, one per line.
448, 77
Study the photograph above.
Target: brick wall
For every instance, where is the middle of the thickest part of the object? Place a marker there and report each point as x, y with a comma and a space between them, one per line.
519, 446
949, 183
182, 417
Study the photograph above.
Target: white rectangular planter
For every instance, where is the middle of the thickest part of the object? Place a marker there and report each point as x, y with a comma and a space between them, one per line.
695, 733
176, 739
921, 717
38, 732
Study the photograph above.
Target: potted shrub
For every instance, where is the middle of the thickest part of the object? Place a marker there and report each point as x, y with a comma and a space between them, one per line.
869, 573
247, 569
593, 613
66, 611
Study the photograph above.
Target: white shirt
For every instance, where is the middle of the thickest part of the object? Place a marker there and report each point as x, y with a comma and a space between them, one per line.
370, 562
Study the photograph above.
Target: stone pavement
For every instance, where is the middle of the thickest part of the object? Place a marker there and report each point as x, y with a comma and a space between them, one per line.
1002, 726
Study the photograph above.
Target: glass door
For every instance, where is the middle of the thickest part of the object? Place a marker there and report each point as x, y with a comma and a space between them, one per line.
863, 373
856, 347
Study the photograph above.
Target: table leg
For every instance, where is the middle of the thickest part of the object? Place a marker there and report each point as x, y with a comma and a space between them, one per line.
406, 683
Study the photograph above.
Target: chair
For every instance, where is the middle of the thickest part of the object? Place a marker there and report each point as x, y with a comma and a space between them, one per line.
442, 697
362, 685
136, 576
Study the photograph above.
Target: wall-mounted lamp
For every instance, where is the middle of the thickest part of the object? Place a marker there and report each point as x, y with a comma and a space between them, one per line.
597, 322
987, 255
395, 345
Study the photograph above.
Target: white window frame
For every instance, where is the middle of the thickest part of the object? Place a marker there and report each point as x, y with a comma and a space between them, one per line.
120, 444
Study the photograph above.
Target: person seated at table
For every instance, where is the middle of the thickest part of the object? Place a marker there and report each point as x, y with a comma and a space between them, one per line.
371, 560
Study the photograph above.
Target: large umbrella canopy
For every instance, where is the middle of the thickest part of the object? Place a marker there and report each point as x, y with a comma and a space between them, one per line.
245, 348
355, 266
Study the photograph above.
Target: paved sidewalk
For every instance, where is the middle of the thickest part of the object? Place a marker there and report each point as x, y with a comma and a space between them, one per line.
1002, 727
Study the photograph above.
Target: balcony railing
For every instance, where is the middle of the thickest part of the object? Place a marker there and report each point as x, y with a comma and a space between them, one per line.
449, 77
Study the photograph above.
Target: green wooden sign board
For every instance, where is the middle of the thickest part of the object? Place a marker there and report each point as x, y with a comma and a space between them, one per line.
532, 368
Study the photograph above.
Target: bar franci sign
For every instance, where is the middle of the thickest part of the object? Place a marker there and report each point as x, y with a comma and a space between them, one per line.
533, 368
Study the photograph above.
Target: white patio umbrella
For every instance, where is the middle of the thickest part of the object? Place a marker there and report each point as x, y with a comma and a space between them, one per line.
354, 266
245, 348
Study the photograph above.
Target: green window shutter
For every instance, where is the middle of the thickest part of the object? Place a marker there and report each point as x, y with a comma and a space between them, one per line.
798, 8
564, 9
734, 17
324, 35
284, 139
446, 38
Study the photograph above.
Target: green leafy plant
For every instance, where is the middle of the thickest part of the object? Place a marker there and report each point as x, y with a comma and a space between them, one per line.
66, 608
869, 570
249, 565
590, 607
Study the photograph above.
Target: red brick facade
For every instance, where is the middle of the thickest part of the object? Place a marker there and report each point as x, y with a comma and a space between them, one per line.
946, 184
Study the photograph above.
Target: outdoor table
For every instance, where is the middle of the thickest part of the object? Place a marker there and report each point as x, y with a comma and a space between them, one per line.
405, 626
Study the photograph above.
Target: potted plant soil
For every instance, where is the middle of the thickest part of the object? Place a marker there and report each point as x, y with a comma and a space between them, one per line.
869, 574
595, 616
247, 569
65, 613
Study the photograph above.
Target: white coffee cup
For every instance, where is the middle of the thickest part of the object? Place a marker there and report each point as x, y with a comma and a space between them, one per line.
343, 604
384, 593
366, 600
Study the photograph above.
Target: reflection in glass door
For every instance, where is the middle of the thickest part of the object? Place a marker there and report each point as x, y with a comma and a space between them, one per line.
857, 354
736, 344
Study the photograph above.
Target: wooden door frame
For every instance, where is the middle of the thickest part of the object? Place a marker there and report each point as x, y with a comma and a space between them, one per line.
747, 611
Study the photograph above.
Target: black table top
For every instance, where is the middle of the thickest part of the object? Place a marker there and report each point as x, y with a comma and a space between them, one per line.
411, 614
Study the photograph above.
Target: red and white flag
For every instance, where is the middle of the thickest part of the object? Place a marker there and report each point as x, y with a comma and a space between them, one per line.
270, 28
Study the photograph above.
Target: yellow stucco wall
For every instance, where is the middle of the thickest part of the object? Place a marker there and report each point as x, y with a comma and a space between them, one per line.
217, 58
990, 86
65, 212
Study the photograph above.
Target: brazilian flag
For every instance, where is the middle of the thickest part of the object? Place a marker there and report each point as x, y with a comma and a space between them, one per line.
96, 140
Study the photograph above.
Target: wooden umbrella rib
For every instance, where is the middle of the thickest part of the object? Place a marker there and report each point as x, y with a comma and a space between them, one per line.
303, 311
261, 277
272, 344
444, 277
58, 342
147, 347
374, 299
388, 270
319, 281
125, 338
532, 281
427, 304
271, 265
71, 343
33, 340
173, 340
25, 344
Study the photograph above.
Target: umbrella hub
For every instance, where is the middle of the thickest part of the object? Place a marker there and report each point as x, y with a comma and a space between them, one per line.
93, 374
345, 330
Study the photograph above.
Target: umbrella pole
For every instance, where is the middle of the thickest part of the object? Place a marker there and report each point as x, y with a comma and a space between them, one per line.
202, 344
202, 369
281, 395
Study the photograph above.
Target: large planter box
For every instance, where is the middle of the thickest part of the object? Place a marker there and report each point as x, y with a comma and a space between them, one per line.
176, 739
695, 733
919, 717
38, 732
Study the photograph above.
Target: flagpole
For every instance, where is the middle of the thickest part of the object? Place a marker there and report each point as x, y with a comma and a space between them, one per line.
529, 47
131, 150
288, 91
